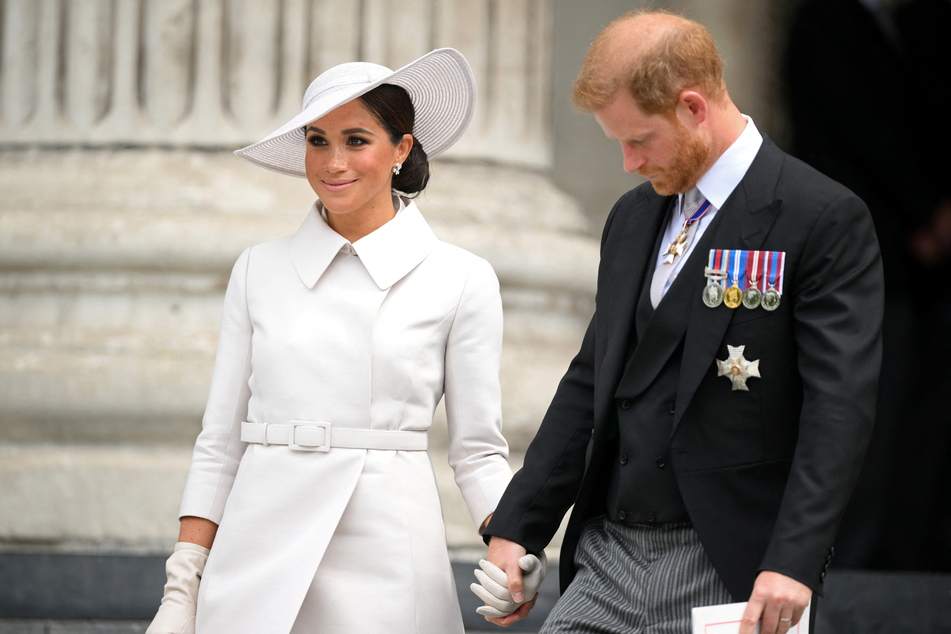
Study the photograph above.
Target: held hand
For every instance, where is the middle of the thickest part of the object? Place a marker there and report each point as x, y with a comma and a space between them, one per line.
494, 585
777, 603
533, 572
506, 556
183, 569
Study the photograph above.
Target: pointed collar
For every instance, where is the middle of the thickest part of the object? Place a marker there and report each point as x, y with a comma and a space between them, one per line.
721, 179
388, 254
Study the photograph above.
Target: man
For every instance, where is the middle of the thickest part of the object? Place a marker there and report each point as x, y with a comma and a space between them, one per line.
711, 428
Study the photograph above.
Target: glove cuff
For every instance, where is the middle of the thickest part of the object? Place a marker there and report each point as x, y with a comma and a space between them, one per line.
179, 546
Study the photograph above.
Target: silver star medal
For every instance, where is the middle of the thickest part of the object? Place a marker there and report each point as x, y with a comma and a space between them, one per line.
737, 368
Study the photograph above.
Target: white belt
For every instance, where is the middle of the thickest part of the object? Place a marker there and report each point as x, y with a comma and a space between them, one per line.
317, 436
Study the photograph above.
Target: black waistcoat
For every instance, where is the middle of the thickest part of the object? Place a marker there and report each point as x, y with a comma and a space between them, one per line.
643, 488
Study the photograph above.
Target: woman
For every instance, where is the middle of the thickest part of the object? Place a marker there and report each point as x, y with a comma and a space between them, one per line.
310, 475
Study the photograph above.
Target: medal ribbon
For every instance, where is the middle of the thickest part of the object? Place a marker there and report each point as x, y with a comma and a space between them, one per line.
765, 270
755, 277
720, 261
697, 215
777, 263
738, 257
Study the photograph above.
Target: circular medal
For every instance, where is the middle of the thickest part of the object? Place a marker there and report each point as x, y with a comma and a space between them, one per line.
712, 294
733, 296
771, 299
752, 297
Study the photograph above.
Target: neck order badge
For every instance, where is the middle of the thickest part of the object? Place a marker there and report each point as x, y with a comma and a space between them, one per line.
755, 279
680, 242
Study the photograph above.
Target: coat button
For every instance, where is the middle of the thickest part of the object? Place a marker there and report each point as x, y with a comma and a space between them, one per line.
623, 459
626, 404
621, 515
661, 462
671, 409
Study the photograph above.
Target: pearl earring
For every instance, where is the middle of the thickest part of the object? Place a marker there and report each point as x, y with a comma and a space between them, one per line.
397, 168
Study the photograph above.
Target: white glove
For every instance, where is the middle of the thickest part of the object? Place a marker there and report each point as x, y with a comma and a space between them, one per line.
183, 569
494, 588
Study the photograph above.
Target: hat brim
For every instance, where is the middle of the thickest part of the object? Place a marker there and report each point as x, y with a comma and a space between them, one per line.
440, 84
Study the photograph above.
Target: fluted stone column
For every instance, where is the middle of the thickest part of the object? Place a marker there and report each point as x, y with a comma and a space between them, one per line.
122, 211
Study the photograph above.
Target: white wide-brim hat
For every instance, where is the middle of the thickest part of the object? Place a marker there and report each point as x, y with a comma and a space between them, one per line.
440, 85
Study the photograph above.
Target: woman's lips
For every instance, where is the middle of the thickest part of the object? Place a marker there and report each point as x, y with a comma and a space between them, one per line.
336, 186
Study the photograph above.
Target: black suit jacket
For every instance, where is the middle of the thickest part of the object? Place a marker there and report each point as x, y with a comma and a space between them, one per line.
765, 474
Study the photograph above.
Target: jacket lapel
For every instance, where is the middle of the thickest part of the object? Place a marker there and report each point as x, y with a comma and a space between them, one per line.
666, 327
631, 252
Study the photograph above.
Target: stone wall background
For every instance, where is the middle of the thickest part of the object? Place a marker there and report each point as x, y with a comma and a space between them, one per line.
122, 211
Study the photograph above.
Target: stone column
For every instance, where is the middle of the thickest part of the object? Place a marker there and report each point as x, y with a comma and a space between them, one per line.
123, 210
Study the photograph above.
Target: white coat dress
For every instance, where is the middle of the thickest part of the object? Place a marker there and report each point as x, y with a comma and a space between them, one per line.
369, 335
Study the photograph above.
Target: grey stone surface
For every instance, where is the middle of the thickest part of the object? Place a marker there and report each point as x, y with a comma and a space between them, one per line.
24, 626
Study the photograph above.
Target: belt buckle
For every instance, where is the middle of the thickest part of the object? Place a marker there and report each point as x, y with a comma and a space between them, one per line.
292, 437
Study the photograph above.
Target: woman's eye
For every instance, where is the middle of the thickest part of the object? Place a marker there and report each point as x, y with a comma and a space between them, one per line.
355, 140
316, 140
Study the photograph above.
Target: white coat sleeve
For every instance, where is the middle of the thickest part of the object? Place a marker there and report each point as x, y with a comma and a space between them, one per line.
478, 453
218, 449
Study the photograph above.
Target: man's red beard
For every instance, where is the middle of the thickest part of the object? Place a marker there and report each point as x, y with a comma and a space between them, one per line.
686, 167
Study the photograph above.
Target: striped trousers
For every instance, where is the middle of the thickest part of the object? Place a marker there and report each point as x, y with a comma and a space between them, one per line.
636, 580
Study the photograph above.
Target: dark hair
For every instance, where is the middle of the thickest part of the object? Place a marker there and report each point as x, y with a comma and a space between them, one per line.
393, 108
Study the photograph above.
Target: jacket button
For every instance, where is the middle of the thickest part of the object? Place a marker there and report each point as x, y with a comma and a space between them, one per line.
671, 409
621, 515
661, 462
626, 404
623, 459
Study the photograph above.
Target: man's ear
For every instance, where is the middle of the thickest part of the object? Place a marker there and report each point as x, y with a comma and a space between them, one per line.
693, 104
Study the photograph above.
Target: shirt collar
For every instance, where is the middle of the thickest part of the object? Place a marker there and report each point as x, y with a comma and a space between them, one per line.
721, 179
388, 253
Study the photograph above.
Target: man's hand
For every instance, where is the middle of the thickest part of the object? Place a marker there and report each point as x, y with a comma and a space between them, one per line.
493, 585
777, 603
505, 555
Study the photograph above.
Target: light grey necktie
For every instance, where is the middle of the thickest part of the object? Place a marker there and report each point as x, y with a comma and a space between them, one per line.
692, 200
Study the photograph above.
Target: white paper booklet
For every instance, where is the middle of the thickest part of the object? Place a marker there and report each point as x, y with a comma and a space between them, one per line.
725, 619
